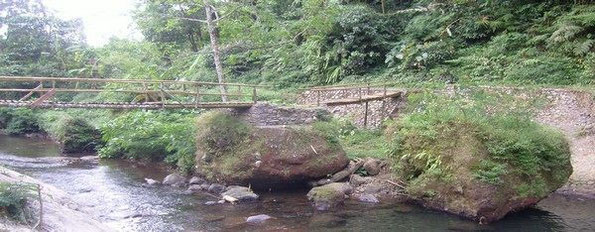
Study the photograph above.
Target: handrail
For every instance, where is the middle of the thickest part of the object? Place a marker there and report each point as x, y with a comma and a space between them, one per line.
130, 81
48, 86
352, 85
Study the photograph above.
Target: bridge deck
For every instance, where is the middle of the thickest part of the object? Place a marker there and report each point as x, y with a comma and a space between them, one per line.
125, 105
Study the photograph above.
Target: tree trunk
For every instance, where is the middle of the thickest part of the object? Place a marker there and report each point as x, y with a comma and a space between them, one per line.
215, 46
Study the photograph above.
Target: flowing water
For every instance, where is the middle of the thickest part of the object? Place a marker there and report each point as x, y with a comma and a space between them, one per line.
114, 192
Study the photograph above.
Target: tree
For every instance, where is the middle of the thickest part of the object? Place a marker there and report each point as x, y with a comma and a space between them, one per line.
35, 42
211, 24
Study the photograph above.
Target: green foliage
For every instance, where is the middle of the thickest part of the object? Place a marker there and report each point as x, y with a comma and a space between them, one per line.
433, 140
18, 121
75, 134
489, 171
13, 197
150, 135
218, 133
356, 142
35, 42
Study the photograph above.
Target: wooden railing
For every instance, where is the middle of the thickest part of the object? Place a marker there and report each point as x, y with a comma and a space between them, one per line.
361, 90
167, 93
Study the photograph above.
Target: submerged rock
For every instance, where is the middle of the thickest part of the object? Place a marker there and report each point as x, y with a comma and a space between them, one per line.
174, 179
329, 196
211, 202
258, 218
195, 188
151, 182
240, 193
231, 151
368, 198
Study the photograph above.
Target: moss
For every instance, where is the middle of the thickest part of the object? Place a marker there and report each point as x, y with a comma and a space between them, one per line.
454, 142
228, 151
357, 143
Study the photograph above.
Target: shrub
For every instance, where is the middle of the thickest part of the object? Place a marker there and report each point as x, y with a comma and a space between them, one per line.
19, 121
151, 135
13, 197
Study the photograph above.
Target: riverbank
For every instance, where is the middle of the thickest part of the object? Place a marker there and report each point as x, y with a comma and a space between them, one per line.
573, 113
59, 211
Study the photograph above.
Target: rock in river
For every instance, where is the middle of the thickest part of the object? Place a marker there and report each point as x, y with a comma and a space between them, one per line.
174, 179
196, 180
216, 188
240, 193
231, 151
151, 182
329, 196
258, 218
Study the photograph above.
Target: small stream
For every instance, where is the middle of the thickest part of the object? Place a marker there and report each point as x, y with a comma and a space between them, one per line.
114, 191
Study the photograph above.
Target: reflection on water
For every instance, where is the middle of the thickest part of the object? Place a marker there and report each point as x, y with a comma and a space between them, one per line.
114, 191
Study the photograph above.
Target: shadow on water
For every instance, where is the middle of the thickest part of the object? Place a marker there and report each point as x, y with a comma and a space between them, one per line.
114, 191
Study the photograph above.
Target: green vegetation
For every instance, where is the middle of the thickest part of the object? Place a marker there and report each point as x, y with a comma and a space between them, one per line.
456, 141
470, 41
152, 136
357, 142
18, 121
295, 43
13, 197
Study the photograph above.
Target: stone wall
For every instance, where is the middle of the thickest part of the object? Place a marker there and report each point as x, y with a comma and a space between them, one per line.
264, 114
378, 110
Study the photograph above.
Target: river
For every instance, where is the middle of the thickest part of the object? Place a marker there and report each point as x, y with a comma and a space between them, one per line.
114, 191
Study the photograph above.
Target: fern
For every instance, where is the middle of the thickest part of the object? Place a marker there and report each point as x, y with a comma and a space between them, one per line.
584, 48
565, 33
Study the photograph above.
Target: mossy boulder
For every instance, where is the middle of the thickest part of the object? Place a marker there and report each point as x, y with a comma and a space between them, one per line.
234, 152
329, 196
478, 166
76, 135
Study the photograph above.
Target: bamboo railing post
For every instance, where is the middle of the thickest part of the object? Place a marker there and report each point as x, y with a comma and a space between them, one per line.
254, 95
366, 116
360, 93
162, 95
197, 98
318, 97
368, 86
53, 84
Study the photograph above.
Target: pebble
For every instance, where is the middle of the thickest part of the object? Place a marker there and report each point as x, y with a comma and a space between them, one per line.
258, 218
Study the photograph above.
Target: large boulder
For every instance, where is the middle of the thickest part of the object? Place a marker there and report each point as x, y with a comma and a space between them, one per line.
480, 167
233, 152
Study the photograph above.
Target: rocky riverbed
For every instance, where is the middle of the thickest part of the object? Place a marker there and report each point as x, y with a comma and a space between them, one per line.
115, 193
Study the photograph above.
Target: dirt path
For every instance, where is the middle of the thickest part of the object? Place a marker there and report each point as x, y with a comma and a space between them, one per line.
573, 112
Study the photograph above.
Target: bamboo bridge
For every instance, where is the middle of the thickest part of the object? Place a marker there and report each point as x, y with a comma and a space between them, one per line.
59, 92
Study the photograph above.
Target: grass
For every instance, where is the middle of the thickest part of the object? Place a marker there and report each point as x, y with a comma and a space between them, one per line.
468, 138
13, 197
356, 142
